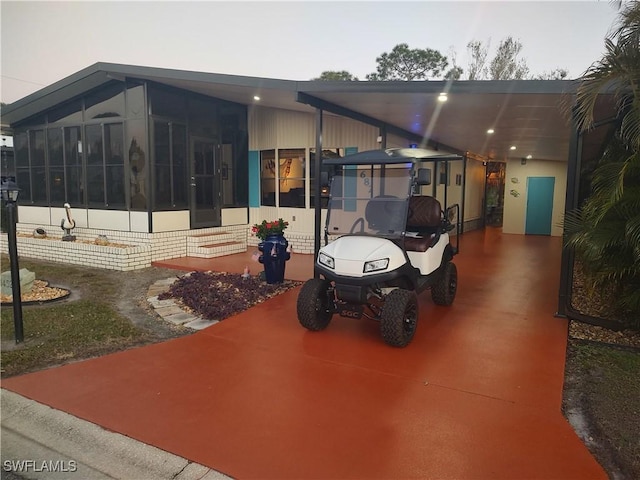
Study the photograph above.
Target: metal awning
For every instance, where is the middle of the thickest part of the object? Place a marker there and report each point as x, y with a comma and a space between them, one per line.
527, 114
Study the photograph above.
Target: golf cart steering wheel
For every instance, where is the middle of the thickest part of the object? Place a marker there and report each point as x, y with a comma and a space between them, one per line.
355, 224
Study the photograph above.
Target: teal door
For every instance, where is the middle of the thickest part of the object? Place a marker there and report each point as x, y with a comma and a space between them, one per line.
539, 205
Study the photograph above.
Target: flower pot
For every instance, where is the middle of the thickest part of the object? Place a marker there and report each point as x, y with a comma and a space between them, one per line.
274, 255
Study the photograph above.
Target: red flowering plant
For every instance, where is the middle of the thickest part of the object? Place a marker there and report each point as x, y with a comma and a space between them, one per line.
264, 229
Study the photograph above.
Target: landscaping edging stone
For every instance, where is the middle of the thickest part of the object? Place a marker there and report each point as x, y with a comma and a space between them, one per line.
170, 311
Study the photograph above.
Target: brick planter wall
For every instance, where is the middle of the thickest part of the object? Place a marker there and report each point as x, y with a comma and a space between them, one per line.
137, 252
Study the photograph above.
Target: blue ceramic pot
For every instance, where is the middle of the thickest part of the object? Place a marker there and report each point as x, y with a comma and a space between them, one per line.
274, 255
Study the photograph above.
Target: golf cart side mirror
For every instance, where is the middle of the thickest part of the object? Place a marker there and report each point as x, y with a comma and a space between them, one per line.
424, 176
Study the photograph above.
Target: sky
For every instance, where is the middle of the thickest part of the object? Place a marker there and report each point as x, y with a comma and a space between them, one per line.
43, 42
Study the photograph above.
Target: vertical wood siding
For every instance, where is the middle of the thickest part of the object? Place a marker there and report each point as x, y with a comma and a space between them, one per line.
272, 128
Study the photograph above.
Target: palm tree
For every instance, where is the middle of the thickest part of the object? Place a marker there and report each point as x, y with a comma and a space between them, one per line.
605, 230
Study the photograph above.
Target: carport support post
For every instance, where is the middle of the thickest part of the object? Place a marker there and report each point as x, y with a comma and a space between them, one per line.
464, 187
383, 137
571, 203
317, 190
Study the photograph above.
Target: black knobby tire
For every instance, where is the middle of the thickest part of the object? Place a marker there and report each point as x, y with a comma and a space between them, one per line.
444, 291
399, 317
313, 305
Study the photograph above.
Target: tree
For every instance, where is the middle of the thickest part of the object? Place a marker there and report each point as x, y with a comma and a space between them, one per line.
556, 74
455, 72
605, 230
478, 63
506, 65
403, 63
333, 75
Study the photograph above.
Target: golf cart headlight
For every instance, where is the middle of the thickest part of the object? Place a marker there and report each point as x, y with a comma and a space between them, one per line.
326, 260
375, 265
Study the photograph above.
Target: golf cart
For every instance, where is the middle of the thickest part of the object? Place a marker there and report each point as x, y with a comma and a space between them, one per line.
388, 244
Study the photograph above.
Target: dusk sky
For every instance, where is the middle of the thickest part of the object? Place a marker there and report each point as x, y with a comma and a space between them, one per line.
43, 42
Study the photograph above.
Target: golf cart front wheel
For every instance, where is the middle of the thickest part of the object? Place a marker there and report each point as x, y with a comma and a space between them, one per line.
313, 305
399, 317
444, 291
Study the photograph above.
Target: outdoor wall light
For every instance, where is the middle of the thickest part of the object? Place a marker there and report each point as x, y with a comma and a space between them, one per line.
512, 147
256, 98
490, 131
443, 97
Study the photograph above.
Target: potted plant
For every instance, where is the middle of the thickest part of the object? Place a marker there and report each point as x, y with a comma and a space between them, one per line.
273, 247
265, 229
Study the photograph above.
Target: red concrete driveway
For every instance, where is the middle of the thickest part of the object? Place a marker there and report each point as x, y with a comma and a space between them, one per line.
476, 395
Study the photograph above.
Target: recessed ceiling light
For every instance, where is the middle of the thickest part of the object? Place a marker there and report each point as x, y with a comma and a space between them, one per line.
512, 147
256, 98
490, 131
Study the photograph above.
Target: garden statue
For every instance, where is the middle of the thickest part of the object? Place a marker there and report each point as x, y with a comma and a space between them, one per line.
68, 224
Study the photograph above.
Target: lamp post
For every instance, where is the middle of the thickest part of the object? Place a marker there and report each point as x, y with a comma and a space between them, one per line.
10, 193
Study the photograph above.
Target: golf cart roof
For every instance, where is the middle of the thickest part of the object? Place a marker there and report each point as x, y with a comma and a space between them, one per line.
390, 156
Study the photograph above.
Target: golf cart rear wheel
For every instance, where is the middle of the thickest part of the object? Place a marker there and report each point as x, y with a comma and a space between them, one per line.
399, 317
313, 305
444, 291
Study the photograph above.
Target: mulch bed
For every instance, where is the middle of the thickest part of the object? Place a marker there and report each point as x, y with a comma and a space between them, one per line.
219, 295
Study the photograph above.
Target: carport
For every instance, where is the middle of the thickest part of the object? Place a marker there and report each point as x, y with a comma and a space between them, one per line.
515, 121
479, 119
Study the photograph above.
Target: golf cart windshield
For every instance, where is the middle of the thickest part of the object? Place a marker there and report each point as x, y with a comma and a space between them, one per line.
370, 199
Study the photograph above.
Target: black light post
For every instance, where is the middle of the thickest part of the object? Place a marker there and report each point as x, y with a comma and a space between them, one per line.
10, 193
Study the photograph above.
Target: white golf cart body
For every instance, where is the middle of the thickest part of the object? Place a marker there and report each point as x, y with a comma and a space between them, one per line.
383, 245
351, 253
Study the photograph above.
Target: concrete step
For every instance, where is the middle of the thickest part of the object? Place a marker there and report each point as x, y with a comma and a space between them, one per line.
201, 239
218, 249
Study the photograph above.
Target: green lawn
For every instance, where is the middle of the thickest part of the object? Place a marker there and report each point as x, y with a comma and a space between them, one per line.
59, 333
63, 331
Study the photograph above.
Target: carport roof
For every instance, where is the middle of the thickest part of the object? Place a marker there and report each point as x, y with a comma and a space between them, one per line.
526, 114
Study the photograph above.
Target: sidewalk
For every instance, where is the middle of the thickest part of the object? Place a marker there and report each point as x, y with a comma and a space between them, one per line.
55, 445
476, 395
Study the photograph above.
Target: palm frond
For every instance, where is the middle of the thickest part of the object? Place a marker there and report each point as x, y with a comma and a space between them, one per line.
632, 232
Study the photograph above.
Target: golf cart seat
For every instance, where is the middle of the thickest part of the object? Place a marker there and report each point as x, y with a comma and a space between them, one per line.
424, 222
385, 213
